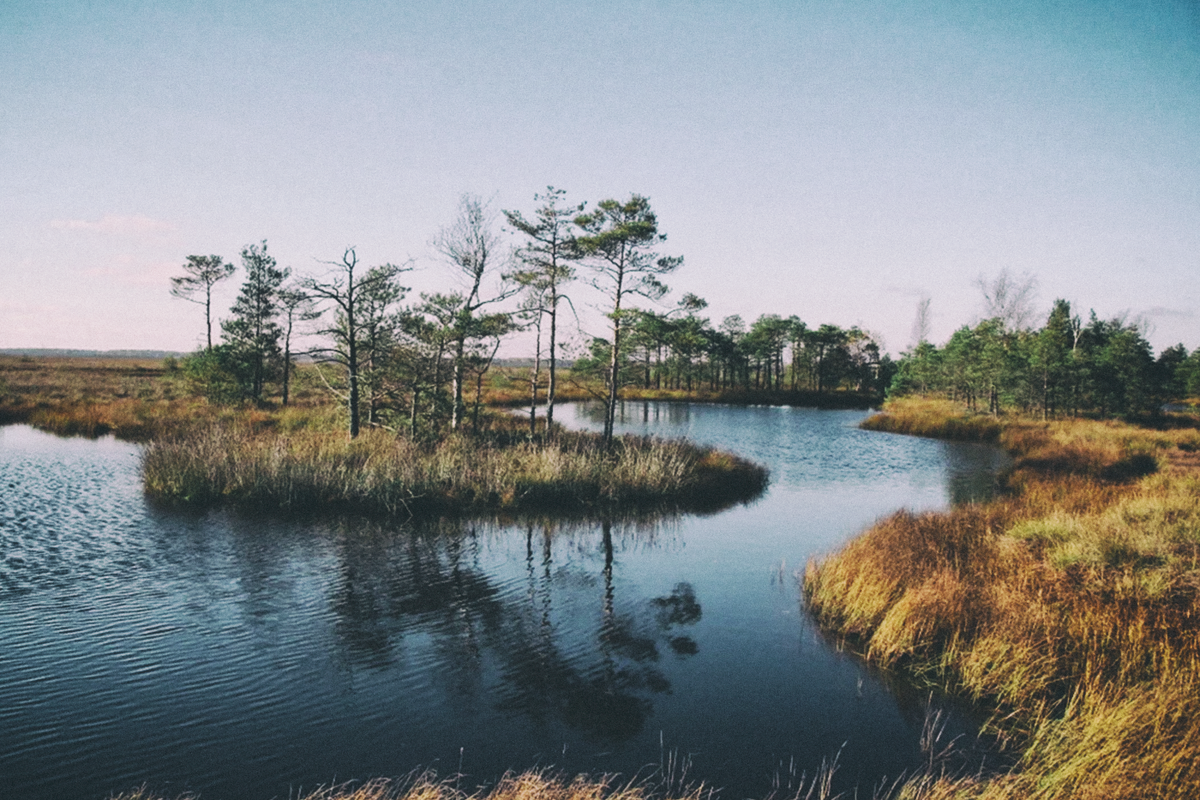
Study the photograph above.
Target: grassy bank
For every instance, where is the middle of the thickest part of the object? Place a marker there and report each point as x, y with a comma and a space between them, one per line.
768, 397
1071, 604
497, 471
90, 396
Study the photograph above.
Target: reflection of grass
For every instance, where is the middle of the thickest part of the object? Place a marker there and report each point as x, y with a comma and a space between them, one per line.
1072, 603
379, 472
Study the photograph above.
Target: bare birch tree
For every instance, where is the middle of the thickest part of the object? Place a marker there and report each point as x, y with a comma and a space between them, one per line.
473, 249
1009, 298
921, 322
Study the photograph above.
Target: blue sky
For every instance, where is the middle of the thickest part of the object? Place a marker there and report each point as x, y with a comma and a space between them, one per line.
835, 160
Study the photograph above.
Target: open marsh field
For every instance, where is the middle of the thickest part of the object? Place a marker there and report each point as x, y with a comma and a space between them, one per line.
242, 655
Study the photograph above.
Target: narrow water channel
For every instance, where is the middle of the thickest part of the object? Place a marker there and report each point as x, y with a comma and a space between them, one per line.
244, 657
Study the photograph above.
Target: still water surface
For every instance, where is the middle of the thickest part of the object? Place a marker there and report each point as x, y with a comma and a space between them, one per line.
246, 657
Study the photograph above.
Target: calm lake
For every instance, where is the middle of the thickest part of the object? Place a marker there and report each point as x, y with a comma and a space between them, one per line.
245, 657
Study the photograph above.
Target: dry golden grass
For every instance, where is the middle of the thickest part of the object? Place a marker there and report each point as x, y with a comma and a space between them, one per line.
534, 785
499, 471
135, 399
1136, 744
88, 396
933, 417
509, 387
75, 380
1071, 603
530, 785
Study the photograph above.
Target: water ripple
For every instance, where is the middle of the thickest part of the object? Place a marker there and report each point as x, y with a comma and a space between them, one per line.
238, 656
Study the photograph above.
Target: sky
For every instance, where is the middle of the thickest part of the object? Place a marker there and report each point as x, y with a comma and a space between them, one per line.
838, 161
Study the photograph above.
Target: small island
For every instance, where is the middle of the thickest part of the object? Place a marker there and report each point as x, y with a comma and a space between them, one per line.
570, 474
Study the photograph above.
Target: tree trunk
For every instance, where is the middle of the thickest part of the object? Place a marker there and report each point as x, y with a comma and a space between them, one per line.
610, 412
208, 313
534, 375
552, 386
457, 386
352, 368
412, 416
287, 365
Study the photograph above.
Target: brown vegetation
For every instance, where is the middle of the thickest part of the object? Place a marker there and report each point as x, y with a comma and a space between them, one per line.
498, 471
298, 458
84, 396
532, 785
133, 399
1070, 603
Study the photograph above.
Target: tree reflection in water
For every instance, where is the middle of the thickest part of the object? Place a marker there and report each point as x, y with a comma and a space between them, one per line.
518, 643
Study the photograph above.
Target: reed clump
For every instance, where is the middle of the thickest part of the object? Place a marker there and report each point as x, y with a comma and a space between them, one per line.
941, 419
378, 472
1070, 604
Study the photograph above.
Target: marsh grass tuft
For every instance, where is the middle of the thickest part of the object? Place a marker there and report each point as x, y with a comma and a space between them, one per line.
297, 458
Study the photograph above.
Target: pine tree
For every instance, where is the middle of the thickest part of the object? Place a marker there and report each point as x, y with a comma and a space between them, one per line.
253, 332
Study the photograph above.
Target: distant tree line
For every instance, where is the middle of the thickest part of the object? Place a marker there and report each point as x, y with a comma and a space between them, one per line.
681, 350
1066, 367
417, 364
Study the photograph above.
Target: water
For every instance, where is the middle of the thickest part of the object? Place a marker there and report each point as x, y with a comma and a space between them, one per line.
252, 657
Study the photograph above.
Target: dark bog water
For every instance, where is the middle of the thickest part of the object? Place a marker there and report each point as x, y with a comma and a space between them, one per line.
252, 658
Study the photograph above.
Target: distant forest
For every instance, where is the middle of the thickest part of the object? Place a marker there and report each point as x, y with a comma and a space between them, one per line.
1066, 367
